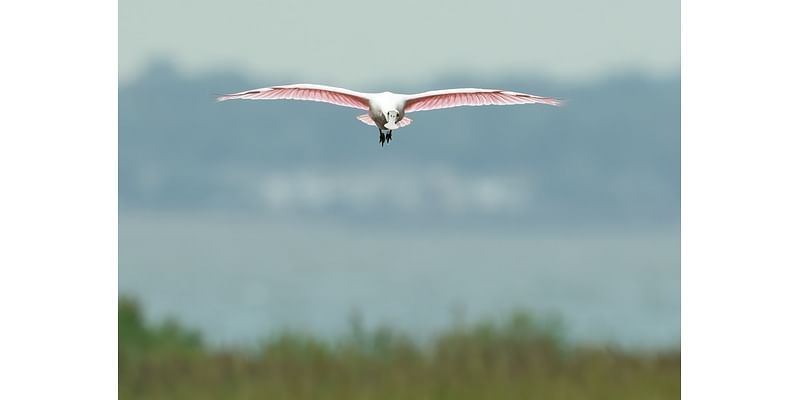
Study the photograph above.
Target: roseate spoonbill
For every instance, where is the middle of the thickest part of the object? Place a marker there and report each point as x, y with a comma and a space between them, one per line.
388, 110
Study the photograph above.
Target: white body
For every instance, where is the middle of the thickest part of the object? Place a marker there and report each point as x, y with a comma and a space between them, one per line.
387, 109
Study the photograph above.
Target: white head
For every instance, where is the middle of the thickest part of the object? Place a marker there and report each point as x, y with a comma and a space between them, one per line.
392, 116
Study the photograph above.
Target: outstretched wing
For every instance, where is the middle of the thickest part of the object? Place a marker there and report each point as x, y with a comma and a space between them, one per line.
437, 99
365, 118
304, 91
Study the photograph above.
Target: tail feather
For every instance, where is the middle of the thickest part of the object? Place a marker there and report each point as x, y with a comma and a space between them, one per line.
365, 118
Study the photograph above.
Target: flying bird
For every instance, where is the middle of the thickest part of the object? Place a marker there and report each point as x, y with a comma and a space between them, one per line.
387, 111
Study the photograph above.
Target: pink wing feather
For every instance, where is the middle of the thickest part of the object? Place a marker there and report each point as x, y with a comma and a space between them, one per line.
437, 99
326, 94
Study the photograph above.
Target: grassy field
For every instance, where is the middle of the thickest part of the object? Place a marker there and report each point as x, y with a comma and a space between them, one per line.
518, 358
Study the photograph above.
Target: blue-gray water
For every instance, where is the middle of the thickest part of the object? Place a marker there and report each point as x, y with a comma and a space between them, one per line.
245, 218
238, 280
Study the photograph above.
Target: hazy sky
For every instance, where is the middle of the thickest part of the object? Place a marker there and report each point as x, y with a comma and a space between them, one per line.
379, 41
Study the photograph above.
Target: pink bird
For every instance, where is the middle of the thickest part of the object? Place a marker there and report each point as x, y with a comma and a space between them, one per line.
388, 110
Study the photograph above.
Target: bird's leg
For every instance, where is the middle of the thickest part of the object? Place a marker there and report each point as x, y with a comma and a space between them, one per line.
382, 138
389, 137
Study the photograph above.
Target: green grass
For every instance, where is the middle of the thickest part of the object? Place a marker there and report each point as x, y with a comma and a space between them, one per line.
520, 358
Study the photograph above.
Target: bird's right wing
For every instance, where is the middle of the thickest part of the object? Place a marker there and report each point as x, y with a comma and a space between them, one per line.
304, 91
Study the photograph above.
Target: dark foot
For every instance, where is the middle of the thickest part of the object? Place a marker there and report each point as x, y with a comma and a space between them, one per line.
389, 137
382, 139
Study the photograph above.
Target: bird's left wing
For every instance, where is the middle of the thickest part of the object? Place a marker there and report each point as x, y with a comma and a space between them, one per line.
447, 98
304, 91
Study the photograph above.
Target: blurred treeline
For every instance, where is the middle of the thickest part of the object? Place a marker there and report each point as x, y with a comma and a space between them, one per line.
520, 358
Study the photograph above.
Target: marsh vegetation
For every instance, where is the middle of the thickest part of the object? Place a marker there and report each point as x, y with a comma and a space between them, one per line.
519, 357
